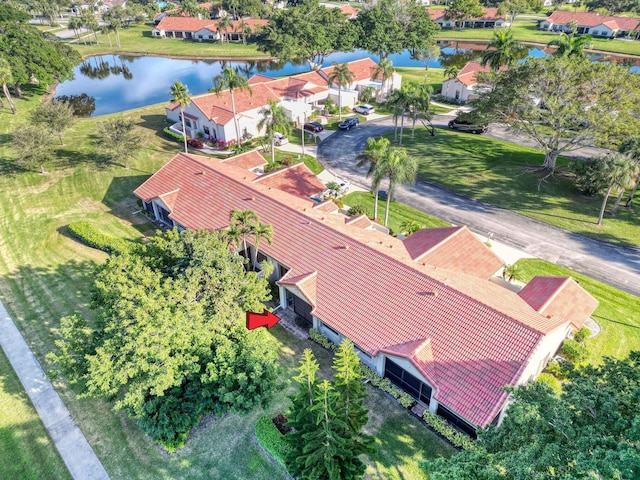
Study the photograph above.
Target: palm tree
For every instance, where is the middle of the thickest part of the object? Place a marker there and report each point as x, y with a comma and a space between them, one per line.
571, 45
75, 24
6, 78
371, 156
503, 49
243, 222
230, 80
631, 148
260, 230
401, 100
617, 172
224, 24
420, 106
384, 69
341, 76
274, 119
89, 21
451, 72
180, 95
399, 168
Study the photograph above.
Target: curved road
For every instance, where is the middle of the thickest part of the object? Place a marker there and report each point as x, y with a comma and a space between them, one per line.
616, 265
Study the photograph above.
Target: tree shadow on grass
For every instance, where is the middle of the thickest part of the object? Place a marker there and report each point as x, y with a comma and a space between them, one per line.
124, 204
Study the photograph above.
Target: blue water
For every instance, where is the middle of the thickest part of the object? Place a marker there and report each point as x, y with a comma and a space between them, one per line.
120, 83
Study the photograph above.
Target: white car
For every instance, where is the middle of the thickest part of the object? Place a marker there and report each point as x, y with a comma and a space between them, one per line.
364, 109
280, 139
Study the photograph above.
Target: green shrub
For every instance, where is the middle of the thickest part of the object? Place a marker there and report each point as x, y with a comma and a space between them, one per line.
270, 438
551, 381
321, 339
171, 134
87, 234
581, 335
442, 428
357, 209
553, 368
574, 351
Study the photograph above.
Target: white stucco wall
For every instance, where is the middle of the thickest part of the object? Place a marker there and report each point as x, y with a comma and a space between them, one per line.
545, 350
453, 85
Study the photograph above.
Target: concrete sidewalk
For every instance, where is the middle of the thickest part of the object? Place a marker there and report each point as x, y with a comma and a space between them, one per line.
77, 454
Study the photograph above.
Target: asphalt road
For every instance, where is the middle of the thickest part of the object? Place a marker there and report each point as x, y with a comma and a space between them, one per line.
615, 265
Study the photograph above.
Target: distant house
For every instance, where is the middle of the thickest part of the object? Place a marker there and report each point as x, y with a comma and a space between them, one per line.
422, 312
489, 19
211, 115
465, 86
203, 29
590, 23
349, 11
176, 12
99, 6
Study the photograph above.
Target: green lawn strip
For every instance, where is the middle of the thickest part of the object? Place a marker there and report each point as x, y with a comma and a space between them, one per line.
398, 212
26, 450
618, 313
138, 40
525, 30
499, 173
432, 76
308, 160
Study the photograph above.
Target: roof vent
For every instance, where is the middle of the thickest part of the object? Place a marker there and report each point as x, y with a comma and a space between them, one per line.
345, 247
201, 172
432, 293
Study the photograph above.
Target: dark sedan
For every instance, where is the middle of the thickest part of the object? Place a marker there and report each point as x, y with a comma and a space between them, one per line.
313, 127
348, 123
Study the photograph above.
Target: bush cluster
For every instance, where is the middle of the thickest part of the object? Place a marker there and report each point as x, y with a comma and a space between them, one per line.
270, 438
357, 209
321, 339
195, 143
575, 352
441, 427
171, 134
87, 234
385, 385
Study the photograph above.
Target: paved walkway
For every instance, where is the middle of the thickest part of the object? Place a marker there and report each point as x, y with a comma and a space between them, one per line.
77, 454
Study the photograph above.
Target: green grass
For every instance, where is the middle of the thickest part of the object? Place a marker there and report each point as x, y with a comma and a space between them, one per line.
26, 450
45, 274
138, 40
398, 212
433, 76
525, 30
618, 313
499, 173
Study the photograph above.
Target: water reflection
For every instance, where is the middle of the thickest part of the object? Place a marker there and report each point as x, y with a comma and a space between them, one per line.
121, 82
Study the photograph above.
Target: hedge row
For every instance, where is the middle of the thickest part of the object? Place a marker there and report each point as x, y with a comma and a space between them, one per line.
270, 438
321, 339
171, 134
87, 234
441, 427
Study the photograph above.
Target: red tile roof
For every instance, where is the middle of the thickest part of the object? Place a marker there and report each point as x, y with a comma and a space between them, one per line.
455, 248
467, 75
588, 19
257, 78
217, 108
349, 10
248, 160
360, 221
296, 180
561, 297
305, 283
184, 24
481, 335
361, 69
488, 14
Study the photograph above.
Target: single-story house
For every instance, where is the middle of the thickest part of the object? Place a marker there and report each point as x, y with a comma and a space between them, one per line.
177, 12
203, 29
489, 19
211, 115
349, 11
465, 86
590, 23
421, 312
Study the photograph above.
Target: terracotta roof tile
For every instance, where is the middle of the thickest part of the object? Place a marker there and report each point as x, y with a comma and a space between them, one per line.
360, 221
361, 69
305, 283
248, 160
369, 288
296, 179
588, 19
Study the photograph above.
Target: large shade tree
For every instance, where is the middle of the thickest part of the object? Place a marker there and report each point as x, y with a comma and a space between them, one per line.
6, 78
591, 430
231, 80
179, 94
564, 103
170, 344
461, 10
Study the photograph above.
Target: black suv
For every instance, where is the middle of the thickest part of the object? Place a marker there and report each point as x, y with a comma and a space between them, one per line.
467, 127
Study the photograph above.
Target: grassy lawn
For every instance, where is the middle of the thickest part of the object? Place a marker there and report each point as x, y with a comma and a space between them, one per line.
45, 275
433, 76
497, 172
525, 30
26, 450
137, 39
618, 313
308, 160
398, 212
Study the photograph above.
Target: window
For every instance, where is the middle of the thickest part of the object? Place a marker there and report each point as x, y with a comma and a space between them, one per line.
261, 257
327, 327
200, 37
407, 382
206, 130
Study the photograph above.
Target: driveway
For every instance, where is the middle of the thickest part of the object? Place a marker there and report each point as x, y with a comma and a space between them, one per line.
615, 265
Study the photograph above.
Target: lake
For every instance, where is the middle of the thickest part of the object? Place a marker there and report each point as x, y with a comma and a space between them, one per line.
122, 82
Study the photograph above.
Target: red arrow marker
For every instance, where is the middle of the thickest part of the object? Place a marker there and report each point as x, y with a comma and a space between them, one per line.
264, 319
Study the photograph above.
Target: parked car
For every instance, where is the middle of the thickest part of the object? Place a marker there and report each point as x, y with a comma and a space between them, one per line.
364, 109
348, 123
467, 127
280, 139
313, 127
